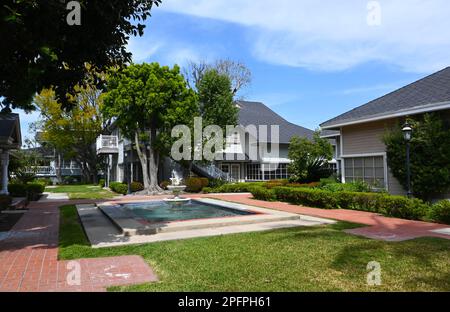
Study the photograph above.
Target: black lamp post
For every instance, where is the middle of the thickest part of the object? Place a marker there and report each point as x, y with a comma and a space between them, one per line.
407, 135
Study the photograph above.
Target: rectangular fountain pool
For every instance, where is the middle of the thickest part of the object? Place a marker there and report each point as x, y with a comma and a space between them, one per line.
160, 211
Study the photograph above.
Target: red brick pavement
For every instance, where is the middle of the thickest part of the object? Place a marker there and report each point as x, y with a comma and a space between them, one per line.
379, 227
29, 259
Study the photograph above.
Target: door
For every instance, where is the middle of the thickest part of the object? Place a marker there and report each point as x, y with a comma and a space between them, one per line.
236, 172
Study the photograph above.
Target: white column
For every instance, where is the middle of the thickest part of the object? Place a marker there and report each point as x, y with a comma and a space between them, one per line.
4, 159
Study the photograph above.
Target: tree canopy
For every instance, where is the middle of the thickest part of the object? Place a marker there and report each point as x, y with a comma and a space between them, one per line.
40, 49
73, 133
429, 155
309, 158
147, 101
216, 100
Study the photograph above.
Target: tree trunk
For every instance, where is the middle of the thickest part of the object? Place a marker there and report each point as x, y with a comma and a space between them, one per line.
153, 163
143, 160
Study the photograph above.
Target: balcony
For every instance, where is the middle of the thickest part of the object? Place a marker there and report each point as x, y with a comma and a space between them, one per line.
107, 144
50, 171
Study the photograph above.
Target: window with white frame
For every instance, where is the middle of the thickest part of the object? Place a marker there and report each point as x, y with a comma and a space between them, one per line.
265, 172
368, 169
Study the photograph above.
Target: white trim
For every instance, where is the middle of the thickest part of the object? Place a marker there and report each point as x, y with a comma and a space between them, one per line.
430, 108
330, 136
385, 169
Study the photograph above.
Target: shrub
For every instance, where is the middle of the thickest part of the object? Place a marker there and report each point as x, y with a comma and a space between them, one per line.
440, 212
101, 182
45, 181
214, 183
70, 180
17, 189
118, 187
136, 186
358, 186
5, 201
233, 187
263, 193
34, 190
164, 184
194, 185
274, 183
394, 206
204, 181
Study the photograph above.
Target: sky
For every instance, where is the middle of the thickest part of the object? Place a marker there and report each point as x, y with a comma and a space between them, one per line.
310, 60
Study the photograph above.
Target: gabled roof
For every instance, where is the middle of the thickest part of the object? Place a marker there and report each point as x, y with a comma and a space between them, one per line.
428, 94
10, 136
256, 113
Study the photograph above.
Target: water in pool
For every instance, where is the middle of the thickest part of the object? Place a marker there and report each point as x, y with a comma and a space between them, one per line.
159, 211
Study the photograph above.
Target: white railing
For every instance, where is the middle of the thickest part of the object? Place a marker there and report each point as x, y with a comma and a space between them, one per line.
41, 171
107, 142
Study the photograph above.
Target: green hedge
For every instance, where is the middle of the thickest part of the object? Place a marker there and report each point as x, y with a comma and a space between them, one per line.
195, 184
263, 193
233, 188
388, 205
31, 190
119, 187
136, 186
440, 212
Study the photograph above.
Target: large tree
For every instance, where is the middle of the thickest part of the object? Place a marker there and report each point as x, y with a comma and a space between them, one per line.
237, 72
430, 155
215, 98
73, 133
40, 49
309, 158
147, 101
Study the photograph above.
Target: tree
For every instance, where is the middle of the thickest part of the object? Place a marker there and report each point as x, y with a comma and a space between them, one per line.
216, 100
41, 49
429, 156
147, 101
238, 74
309, 158
73, 133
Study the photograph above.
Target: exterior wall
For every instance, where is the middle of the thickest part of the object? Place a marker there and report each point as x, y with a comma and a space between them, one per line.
366, 139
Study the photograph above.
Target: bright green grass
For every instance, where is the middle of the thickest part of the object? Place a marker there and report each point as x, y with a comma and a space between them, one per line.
298, 259
82, 191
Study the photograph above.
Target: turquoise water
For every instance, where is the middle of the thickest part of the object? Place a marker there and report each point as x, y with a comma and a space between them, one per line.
159, 211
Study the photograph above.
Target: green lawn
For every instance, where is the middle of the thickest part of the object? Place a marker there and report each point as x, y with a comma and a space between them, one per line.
82, 191
299, 259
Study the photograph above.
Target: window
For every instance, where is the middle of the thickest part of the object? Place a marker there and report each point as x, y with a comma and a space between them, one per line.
367, 169
254, 172
264, 172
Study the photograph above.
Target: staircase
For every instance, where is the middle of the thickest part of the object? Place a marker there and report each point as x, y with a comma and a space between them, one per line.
210, 171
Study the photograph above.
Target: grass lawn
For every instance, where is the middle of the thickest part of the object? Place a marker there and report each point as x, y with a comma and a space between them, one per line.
82, 191
299, 259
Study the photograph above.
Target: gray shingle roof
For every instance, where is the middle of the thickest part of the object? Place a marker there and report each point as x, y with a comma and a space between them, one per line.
256, 113
432, 89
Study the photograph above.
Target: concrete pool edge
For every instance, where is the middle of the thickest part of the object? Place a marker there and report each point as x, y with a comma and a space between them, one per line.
130, 226
102, 232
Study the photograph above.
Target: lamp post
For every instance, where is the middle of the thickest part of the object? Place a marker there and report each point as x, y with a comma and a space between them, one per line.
407, 135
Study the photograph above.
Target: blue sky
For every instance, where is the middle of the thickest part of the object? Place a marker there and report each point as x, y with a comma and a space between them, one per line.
310, 60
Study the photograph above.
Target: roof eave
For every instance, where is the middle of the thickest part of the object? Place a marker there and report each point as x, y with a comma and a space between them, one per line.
401, 113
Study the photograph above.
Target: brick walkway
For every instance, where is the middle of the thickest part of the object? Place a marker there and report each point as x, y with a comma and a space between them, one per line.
28, 259
379, 227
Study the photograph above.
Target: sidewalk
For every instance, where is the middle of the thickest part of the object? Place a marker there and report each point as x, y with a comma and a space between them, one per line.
379, 227
28, 258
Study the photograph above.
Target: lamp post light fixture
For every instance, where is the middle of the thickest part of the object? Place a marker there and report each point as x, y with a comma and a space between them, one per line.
407, 135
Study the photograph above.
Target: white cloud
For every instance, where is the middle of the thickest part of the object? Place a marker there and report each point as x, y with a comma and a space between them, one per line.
334, 35
142, 50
